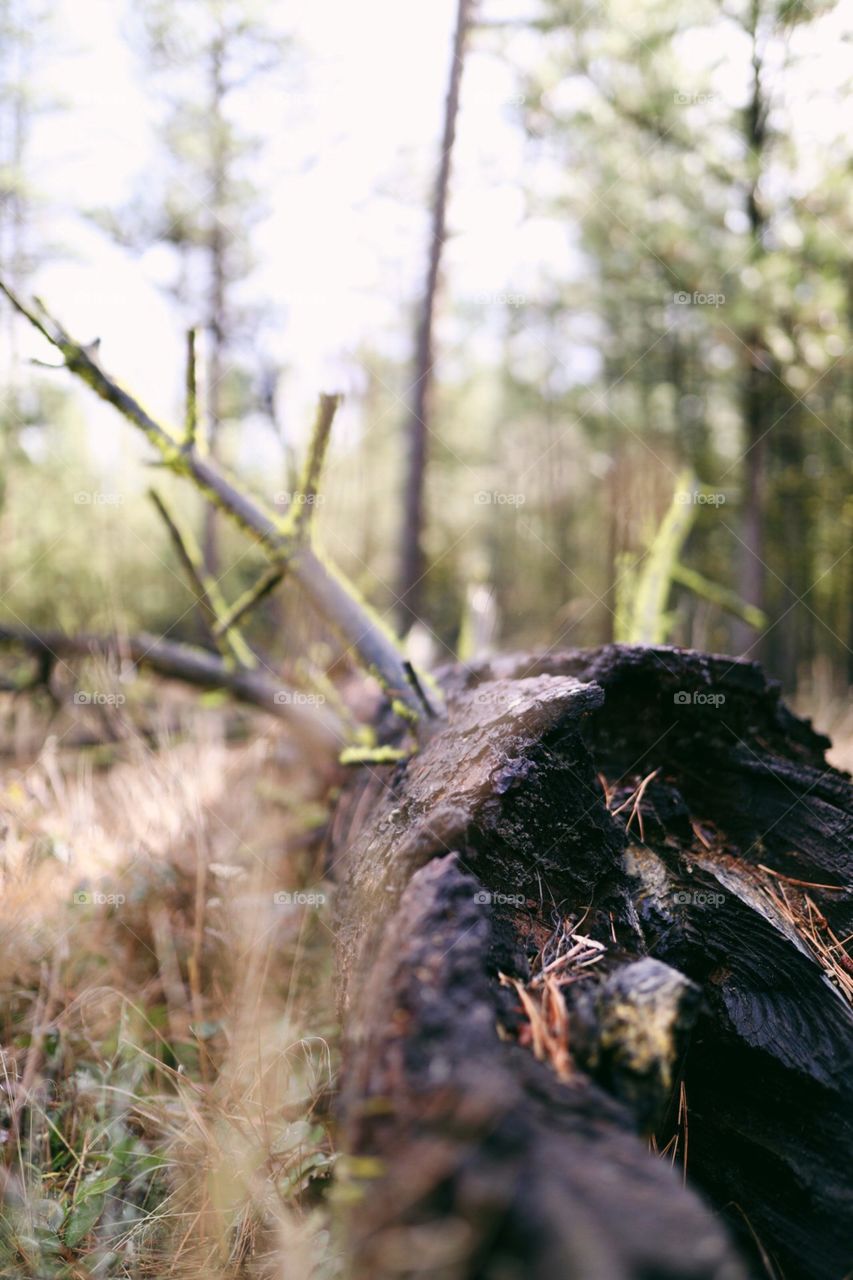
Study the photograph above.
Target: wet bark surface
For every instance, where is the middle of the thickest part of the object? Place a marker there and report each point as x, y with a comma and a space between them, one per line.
595, 993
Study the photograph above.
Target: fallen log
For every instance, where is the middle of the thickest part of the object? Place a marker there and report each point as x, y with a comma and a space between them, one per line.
595, 987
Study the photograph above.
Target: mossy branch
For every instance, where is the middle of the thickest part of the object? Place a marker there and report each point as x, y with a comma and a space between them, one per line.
191, 394
214, 609
249, 600
719, 595
647, 613
306, 497
643, 589
335, 599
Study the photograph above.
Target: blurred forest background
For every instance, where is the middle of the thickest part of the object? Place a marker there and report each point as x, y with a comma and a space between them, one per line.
643, 305
646, 268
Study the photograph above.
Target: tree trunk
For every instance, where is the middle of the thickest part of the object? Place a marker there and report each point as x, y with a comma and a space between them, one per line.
412, 560
593, 924
217, 320
756, 395
751, 551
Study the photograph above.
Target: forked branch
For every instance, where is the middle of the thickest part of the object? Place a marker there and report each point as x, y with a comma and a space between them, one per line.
249, 600
335, 599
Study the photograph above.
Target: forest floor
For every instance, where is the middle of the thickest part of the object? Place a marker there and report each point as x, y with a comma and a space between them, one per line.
167, 1015
167, 1018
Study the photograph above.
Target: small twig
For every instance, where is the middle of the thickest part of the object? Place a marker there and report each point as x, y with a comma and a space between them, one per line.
250, 598
549, 1024
765, 1257
306, 497
45, 1004
700, 835
191, 401
683, 1121
418, 688
804, 884
195, 958
585, 949
210, 598
637, 798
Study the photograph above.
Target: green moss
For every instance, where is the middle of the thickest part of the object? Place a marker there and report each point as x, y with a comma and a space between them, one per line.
374, 755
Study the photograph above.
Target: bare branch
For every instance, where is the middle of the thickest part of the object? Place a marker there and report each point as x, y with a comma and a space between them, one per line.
717, 594
250, 598
191, 401
334, 598
318, 727
309, 483
188, 560
210, 598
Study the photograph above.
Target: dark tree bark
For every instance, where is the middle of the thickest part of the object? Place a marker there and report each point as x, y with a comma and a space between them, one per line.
412, 561
217, 319
506, 1085
756, 395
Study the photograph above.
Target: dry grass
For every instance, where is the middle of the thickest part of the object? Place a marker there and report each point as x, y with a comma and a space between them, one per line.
564, 959
678, 1145
829, 707
800, 910
547, 1027
167, 1026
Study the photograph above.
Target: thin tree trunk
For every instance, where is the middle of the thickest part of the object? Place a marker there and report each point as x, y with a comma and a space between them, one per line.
412, 560
217, 316
756, 390
752, 552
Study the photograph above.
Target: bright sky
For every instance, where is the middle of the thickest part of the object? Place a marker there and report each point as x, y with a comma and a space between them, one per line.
343, 250
348, 170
